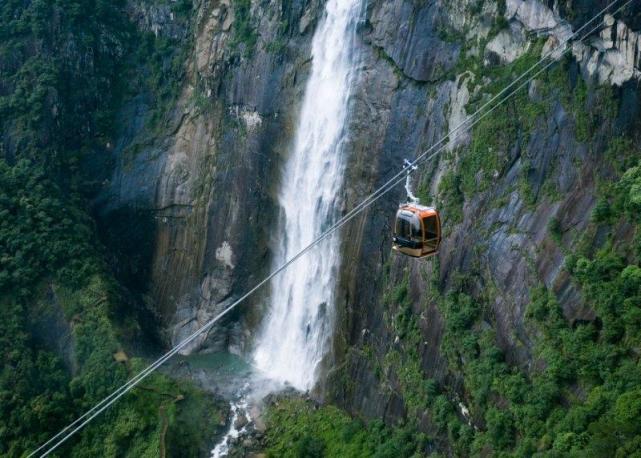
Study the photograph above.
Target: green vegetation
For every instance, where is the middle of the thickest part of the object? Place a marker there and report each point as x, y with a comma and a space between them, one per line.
67, 67
62, 85
34, 396
39, 233
589, 106
244, 32
299, 429
509, 126
554, 228
451, 196
63, 68
580, 397
279, 44
51, 107
406, 360
39, 396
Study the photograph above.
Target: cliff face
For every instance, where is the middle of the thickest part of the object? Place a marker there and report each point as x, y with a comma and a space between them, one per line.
199, 191
517, 191
174, 118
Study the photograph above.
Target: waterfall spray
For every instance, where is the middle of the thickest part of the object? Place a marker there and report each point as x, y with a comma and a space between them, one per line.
297, 330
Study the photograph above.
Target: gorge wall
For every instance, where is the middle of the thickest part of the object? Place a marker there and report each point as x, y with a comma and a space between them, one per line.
207, 183
204, 188
184, 195
517, 194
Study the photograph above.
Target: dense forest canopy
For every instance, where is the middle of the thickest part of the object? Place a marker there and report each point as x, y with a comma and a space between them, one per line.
64, 68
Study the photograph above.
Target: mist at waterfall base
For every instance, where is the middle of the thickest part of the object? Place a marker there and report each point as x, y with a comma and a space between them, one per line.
296, 332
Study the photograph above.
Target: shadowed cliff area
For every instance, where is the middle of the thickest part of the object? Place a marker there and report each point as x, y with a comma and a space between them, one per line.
73, 327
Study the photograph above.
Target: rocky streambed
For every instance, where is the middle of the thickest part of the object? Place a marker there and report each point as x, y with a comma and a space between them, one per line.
244, 395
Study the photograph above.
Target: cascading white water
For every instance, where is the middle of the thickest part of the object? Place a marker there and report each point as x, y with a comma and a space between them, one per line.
297, 330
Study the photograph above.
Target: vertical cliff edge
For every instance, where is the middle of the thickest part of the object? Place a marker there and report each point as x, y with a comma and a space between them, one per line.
518, 194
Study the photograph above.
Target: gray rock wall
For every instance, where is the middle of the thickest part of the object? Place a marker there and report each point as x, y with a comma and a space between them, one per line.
199, 193
405, 102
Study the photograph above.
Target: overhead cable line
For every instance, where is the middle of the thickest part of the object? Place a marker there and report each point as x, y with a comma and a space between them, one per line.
62, 436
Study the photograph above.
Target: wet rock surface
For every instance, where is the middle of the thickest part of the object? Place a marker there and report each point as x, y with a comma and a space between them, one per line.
198, 199
502, 241
409, 35
199, 196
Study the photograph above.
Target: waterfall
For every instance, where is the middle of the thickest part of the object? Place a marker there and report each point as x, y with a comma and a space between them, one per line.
296, 332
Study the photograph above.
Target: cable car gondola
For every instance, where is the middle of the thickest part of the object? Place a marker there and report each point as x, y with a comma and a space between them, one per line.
417, 230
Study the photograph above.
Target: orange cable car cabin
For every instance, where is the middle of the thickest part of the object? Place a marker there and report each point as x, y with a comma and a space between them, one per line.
417, 231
